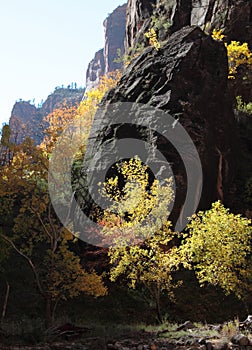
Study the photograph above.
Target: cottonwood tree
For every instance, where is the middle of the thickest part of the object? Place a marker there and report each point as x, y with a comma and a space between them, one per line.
37, 235
138, 232
83, 113
218, 247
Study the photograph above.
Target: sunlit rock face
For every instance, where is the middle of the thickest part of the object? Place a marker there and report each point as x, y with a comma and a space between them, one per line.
104, 59
96, 69
27, 120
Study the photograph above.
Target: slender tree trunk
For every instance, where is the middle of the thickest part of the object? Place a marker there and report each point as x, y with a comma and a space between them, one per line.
7, 293
245, 306
158, 307
48, 311
54, 309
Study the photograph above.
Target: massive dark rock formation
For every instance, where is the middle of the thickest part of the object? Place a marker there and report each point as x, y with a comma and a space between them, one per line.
188, 79
27, 120
103, 62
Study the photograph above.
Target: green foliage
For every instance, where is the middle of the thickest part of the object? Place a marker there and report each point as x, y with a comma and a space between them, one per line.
122, 58
159, 19
5, 137
230, 329
200, 331
218, 247
159, 23
127, 58
243, 107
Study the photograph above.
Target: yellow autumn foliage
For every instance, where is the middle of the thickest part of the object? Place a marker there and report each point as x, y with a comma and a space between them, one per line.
238, 53
138, 231
218, 247
153, 40
92, 98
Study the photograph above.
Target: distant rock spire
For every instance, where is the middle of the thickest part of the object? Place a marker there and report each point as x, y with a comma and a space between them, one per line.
103, 61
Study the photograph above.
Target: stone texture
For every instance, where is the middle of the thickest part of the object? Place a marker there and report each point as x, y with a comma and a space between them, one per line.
96, 69
138, 14
221, 345
23, 121
27, 120
240, 339
185, 326
187, 77
114, 25
103, 61
235, 17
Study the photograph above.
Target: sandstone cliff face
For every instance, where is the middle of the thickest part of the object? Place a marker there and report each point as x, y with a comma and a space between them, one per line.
114, 26
96, 69
24, 121
27, 120
138, 19
103, 62
234, 16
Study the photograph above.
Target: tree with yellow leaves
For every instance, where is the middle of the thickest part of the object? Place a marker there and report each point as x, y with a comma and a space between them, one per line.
93, 97
37, 235
218, 247
64, 115
138, 232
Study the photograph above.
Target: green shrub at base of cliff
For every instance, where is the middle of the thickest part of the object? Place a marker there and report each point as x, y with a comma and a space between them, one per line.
243, 106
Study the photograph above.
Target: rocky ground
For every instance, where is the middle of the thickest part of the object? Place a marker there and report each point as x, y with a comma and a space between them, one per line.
187, 336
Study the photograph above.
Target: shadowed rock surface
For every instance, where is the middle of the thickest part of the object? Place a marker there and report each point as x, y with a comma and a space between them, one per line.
188, 79
234, 17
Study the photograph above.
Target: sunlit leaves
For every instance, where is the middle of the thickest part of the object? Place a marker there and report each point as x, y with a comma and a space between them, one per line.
218, 247
68, 279
218, 35
92, 98
142, 243
36, 231
138, 209
153, 40
238, 53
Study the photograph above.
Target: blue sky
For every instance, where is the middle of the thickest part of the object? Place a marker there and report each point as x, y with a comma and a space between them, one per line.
47, 43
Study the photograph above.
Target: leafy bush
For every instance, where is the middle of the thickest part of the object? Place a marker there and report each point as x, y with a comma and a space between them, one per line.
243, 107
153, 40
238, 54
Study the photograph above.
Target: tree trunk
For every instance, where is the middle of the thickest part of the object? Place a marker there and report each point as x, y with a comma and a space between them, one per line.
158, 308
54, 309
5, 301
48, 312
